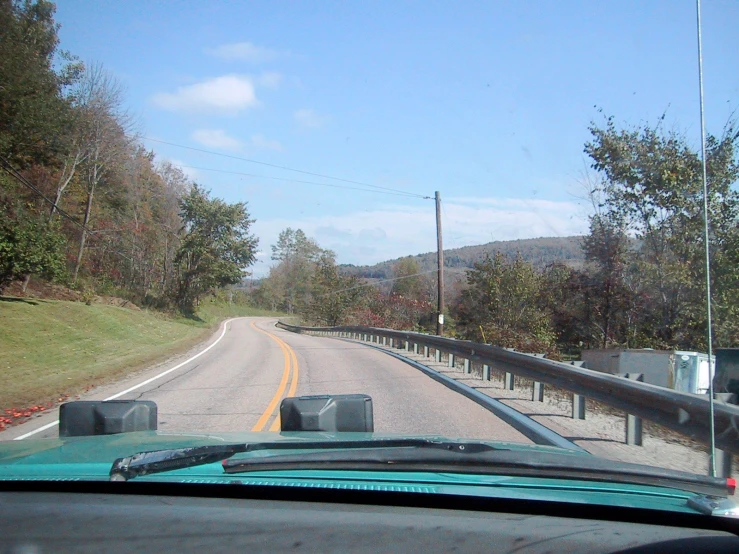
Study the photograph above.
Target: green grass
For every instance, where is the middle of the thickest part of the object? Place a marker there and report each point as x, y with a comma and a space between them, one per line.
51, 348
212, 313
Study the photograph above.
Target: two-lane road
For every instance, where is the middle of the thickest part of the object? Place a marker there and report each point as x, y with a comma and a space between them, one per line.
238, 383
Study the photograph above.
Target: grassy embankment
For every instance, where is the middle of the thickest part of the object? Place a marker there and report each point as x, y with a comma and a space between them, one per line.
50, 349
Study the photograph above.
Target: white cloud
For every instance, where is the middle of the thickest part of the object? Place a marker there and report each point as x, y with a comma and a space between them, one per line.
216, 138
394, 231
245, 52
228, 93
263, 143
221, 140
310, 118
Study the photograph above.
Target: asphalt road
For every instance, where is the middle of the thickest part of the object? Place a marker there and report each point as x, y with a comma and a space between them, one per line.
238, 383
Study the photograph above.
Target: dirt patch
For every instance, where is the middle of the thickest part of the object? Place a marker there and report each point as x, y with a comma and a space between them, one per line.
115, 301
49, 291
43, 290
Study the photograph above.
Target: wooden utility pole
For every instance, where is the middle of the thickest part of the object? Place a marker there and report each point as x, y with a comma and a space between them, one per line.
440, 258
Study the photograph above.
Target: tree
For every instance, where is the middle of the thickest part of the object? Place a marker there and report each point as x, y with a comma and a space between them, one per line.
32, 110
501, 302
606, 250
652, 185
215, 249
105, 137
333, 295
293, 246
29, 246
289, 282
408, 282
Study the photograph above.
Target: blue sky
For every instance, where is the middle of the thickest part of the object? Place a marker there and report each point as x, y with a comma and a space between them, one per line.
487, 102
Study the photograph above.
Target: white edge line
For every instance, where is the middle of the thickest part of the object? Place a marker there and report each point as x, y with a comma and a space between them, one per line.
143, 383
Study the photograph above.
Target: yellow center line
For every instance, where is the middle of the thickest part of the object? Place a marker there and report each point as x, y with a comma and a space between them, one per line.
293, 384
273, 405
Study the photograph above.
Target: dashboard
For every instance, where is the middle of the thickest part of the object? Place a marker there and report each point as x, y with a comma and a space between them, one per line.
123, 517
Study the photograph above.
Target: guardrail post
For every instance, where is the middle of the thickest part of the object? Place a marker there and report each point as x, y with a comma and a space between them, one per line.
722, 460
426, 351
415, 348
407, 346
634, 424
722, 463
537, 394
486, 372
578, 406
450, 360
437, 355
467, 368
634, 428
508, 381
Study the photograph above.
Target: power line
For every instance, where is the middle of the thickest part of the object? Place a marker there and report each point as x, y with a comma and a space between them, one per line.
285, 168
299, 181
372, 284
10, 170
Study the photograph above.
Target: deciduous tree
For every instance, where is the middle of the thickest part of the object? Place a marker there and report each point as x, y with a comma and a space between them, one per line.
216, 248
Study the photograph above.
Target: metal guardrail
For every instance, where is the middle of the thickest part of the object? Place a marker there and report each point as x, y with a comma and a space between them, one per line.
684, 413
525, 425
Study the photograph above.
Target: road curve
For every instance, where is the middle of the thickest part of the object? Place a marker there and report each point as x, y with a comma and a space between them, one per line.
237, 386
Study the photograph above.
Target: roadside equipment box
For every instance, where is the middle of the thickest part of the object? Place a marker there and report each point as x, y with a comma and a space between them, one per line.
672, 369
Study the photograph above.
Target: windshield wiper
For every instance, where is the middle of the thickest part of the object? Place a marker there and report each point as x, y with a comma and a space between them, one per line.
158, 461
420, 455
522, 463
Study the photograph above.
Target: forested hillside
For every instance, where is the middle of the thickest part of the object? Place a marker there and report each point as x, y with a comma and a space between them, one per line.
539, 252
84, 203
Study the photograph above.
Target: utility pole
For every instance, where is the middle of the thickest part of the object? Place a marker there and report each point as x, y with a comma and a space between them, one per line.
440, 258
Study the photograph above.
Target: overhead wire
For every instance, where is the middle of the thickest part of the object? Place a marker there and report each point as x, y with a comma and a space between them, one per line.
285, 168
10, 170
408, 194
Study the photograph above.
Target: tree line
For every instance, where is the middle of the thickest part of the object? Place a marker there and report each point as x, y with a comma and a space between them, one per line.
641, 285
306, 281
84, 202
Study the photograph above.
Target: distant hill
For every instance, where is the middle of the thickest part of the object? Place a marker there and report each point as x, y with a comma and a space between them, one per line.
540, 252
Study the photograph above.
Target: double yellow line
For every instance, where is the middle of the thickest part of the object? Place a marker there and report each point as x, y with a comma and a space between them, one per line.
290, 362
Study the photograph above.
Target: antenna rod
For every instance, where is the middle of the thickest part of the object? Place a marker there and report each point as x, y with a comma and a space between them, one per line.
440, 261
712, 466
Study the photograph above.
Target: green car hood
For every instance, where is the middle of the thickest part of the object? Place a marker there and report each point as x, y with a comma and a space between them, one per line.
91, 458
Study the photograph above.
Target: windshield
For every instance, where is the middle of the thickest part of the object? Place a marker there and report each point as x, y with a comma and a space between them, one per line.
490, 218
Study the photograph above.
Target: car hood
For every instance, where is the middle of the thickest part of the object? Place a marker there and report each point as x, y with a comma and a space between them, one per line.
91, 458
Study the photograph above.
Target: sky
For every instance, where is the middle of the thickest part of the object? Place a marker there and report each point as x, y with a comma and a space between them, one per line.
379, 104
